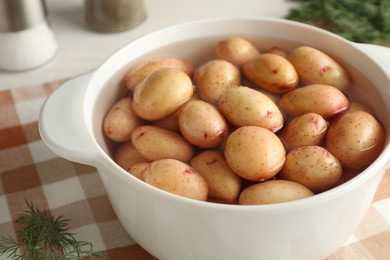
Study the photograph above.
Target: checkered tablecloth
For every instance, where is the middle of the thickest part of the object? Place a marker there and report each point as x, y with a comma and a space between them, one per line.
29, 170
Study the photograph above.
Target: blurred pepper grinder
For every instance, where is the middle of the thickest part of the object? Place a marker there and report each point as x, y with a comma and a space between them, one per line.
26, 39
114, 15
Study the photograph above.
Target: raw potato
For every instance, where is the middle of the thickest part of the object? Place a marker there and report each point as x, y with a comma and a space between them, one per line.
223, 183
316, 67
171, 122
126, 155
214, 77
162, 93
324, 100
356, 106
176, 177
274, 97
312, 166
273, 191
254, 153
271, 72
202, 124
245, 106
121, 120
277, 51
138, 74
209, 133
155, 143
356, 139
137, 169
236, 50
306, 129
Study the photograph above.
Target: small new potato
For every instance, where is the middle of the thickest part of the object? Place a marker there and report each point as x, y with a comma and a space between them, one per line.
202, 124
312, 166
245, 106
222, 182
254, 153
155, 143
171, 122
273, 191
356, 138
236, 50
139, 73
357, 106
324, 100
214, 77
176, 177
162, 93
126, 155
316, 67
278, 51
121, 120
273, 96
137, 169
306, 129
271, 72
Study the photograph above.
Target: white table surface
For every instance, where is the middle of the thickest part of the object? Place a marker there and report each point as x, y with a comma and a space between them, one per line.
81, 49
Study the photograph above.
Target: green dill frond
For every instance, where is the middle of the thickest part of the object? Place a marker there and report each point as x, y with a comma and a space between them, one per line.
9, 248
42, 236
365, 21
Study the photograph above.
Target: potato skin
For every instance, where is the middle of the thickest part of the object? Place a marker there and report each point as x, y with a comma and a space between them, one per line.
254, 153
214, 77
171, 122
162, 93
176, 177
121, 120
236, 50
222, 182
356, 106
356, 138
137, 169
126, 155
202, 124
155, 143
316, 67
244, 106
278, 51
306, 129
324, 100
312, 166
273, 191
137, 74
271, 72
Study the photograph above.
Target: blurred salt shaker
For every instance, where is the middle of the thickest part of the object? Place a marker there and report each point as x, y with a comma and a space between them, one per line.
114, 15
26, 39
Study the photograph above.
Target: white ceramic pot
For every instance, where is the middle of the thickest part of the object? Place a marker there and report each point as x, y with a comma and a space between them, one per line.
172, 227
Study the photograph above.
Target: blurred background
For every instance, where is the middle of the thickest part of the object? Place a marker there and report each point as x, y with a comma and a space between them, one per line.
82, 48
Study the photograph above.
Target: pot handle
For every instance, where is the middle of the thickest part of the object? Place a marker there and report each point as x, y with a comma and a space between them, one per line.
379, 53
61, 123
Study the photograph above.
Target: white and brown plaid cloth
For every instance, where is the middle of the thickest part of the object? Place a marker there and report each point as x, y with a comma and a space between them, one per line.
30, 171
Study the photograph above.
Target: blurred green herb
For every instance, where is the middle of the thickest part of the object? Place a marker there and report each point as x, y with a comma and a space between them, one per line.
364, 21
42, 236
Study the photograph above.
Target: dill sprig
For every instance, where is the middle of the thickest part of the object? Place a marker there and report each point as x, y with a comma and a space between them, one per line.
43, 236
364, 21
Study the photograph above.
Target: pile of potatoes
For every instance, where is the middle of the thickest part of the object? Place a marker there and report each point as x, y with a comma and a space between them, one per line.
246, 127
